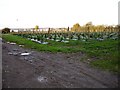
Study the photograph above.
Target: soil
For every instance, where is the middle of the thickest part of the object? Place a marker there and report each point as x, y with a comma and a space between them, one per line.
50, 70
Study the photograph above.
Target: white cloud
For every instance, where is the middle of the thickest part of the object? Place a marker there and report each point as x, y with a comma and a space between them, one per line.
57, 13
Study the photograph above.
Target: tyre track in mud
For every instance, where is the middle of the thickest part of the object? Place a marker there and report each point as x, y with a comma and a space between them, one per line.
76, 70
60, 71
67, 69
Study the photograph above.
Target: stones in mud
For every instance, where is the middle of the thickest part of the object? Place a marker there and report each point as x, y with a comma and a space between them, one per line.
72, 77
51, 72
12, 43
8, 42
88, 59
6, 71
15, 49
1, 40
7, 66
31, 61
53, 65
18, 72
54, 71
42, 79
3, 47
10, 53
3, 80
13, 53
70, 62
21, 45
8, 86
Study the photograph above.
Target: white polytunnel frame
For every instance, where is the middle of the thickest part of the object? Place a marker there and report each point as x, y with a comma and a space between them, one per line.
0, 61
119, 13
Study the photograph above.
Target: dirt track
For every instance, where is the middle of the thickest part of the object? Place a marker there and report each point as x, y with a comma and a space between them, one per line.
48, 70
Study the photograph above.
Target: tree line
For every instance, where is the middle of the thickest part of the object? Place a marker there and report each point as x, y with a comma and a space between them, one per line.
89, 27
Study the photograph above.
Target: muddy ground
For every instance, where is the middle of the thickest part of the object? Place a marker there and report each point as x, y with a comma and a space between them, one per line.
50, 70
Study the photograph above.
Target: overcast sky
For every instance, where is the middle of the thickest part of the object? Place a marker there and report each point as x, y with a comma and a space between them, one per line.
57, 13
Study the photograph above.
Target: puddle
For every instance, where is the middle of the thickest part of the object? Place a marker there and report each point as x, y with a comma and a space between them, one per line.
29, 38
65, 41
32, 40
83, 40
57, 40
67, 38
74, 39
25, 54
100, 39
42, 79
52, 39
36, 40
39, 42
45, 43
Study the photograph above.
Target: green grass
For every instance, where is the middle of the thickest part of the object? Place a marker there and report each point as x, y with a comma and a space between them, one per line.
106, 51
109, 65
0, 35
52, 46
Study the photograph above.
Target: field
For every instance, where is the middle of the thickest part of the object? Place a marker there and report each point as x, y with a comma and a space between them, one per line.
101, 48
